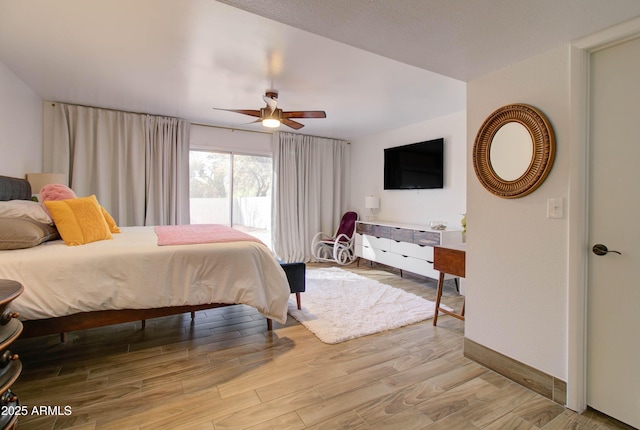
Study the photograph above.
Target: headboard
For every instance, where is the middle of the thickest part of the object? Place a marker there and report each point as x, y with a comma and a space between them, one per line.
14, 189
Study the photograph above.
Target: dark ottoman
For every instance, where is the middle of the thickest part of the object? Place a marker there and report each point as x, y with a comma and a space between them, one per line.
296, 276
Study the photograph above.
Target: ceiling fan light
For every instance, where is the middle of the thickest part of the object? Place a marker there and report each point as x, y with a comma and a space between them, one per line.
271, 122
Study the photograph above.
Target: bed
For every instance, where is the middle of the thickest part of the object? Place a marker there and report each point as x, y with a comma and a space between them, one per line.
130, 277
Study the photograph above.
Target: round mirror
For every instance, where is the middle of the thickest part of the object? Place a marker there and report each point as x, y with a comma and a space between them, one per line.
514, 151
511, 151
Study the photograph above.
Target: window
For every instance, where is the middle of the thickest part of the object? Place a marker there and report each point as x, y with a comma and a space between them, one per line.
231, 189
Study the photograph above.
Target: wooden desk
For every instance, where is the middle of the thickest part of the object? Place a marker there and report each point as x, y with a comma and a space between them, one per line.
448, 260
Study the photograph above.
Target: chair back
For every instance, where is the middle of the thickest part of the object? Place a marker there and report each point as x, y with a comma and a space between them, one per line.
347, 224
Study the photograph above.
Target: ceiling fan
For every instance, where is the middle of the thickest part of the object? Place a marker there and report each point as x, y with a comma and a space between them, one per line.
271, 116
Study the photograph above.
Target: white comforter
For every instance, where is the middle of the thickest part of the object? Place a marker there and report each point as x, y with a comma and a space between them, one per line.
133, 272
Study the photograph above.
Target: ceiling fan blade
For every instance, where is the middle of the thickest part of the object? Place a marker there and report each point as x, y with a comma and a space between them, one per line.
290, 123
252, 122
305, 114
249, 112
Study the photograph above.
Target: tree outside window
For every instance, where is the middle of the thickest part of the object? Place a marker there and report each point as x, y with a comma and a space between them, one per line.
232, 189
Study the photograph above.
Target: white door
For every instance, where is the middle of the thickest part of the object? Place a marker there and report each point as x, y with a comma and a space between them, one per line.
613, 318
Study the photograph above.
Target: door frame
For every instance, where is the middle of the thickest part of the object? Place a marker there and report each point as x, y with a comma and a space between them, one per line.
578, 255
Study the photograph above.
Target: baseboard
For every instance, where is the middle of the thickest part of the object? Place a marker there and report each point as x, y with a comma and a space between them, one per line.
544, 384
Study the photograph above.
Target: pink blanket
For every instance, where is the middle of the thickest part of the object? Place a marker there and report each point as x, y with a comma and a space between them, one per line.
199, 233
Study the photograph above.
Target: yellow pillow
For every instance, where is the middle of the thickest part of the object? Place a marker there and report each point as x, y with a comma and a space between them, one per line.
113, 227
80, 220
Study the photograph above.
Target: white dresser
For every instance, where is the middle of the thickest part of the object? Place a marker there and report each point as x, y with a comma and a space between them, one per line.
406, 247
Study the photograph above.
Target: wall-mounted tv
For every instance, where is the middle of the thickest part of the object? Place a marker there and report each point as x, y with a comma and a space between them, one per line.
416, 166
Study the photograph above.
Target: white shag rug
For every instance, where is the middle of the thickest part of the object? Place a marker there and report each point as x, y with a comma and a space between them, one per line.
339, 305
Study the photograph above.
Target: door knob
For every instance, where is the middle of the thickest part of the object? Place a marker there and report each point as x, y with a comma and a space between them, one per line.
600, 249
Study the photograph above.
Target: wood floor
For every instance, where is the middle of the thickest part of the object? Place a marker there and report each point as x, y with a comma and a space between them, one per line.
225, 371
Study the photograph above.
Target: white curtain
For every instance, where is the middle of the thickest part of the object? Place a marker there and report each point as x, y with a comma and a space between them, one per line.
167, 171
310, 191
137, 165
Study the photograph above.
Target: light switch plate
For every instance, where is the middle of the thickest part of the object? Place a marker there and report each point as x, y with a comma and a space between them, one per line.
554, 208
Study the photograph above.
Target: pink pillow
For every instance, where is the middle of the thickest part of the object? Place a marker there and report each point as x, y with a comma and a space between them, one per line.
55, 192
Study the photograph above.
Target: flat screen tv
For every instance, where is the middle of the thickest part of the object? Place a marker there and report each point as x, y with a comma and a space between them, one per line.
416, 166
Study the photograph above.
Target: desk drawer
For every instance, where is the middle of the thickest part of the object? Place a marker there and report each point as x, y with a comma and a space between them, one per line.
451, 261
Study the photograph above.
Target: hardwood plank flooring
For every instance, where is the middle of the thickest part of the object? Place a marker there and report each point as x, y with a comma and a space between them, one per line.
224, 370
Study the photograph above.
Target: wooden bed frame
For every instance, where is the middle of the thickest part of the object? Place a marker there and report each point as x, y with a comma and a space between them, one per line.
20, 189
296, 273
86, 320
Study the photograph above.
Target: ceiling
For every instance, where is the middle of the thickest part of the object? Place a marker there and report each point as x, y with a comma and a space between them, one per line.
371, 65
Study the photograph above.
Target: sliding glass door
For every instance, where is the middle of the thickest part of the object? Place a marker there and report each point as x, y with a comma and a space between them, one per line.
210, 187
232, 189
251, 209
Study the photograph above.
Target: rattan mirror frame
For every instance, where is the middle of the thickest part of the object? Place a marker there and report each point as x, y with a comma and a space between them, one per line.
544, 149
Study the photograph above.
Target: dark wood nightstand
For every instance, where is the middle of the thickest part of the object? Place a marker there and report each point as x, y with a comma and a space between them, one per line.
10, 365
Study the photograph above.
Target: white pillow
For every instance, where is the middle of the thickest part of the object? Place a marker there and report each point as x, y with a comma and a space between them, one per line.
25, 209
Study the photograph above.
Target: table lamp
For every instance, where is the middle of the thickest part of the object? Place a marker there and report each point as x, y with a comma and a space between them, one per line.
371, 203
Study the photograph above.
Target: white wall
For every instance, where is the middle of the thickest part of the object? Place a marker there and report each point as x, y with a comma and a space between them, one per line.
20, 127
412, 206
517, 257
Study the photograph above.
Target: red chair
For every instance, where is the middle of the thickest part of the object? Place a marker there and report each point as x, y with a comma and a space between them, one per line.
339, 247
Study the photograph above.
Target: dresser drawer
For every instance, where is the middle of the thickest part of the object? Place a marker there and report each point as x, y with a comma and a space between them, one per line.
385, 257
431, 238
363, 228
402, 234
376, 242
413, 265
422, 252
374, 254
381, 231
